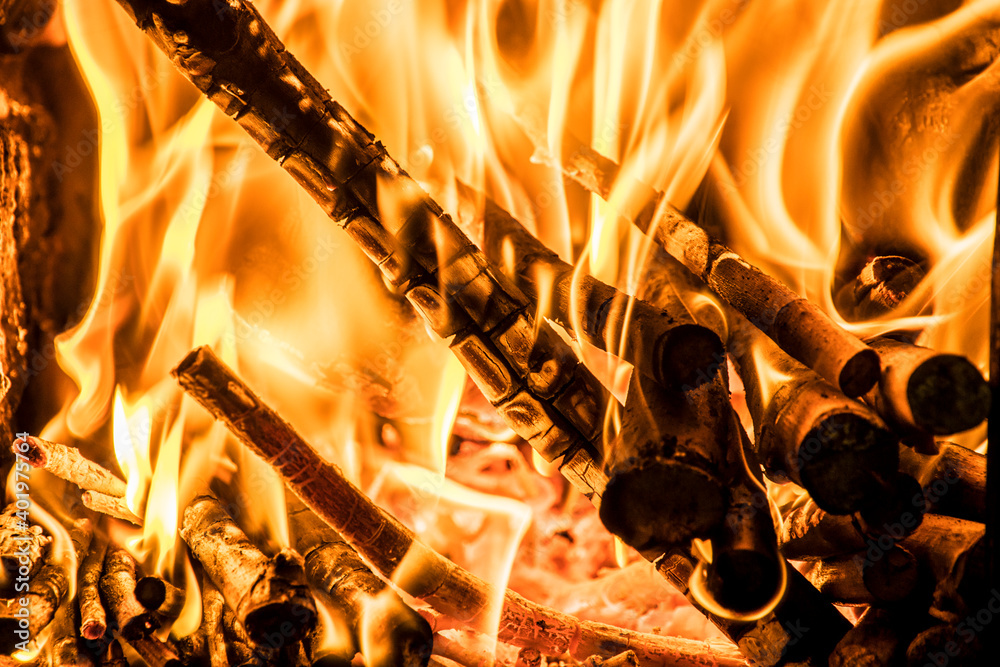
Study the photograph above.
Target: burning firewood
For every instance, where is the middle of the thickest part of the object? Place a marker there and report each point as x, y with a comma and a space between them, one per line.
664, 468
881, 286
46, 593
334, 567
212, 608
69, 464
114, 656
879, 639
949, 550
132, 620
64, 646
927, 391
780, 637
93, 618
807, 431
267, 594
953, 481
20, 541
530, 375
852, 580
392, 549
160, 596
797, 326
114, 506
156, 653
661, 340
745, 571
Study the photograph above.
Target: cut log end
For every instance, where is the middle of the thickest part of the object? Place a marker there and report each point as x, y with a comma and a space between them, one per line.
859, 373
948, 394
690, 356
743, 579
842, 458
662, 503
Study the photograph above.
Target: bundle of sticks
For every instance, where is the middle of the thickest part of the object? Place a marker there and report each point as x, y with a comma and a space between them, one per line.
874, 524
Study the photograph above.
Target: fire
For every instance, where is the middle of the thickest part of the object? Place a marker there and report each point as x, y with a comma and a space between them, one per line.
802, 154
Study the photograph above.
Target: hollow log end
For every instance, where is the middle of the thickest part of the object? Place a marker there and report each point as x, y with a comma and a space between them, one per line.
279, 606
661, 503
947, 394
743, 579
151, 592
842, 459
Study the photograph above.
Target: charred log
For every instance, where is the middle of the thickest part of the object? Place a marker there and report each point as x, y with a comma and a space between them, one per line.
953, 481
46, 592
93, 617
663, 340
334, 567
391, 547
927, 391
266, 593
132, 620
807, 431
797, 326
665, 468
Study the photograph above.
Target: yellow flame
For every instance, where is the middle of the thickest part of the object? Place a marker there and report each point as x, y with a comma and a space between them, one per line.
131, 441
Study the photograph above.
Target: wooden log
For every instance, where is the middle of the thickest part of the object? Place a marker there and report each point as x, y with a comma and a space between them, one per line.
115, 656
46, 593
268, 595
527, 372
881, 286
947, 644
160, 596
797, 326
878, 639
392, 549
156, 653
953, 481
21, 544
807, 431
93, 617
663, 341
132, 620
854, 580
626, 659
665, 467
803, 628
212, 608
334, 567
64, 646
113, 506
69, 464
950, 550
528, 657
745, 571
927, 391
